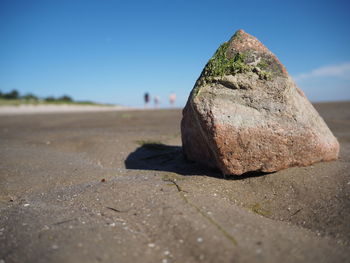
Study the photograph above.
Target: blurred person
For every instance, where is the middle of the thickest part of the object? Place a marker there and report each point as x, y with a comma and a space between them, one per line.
156, 101
147, 99
172, 98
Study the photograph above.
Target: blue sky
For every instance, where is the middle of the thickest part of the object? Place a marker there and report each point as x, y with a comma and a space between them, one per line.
114, 51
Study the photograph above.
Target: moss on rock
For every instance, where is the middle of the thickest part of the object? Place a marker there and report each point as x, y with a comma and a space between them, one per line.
220, 65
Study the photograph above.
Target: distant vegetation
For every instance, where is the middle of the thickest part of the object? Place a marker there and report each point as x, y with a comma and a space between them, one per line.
15, 98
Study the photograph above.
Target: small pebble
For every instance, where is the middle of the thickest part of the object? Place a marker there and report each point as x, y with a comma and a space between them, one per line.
25, 205
166, 253
151, 245
164, 260
54, 247
199, 240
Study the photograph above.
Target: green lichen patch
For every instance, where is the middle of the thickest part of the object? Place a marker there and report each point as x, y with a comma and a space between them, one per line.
262, 65
258, 209
220, 65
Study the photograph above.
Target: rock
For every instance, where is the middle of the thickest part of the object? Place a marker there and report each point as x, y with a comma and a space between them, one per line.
245, 113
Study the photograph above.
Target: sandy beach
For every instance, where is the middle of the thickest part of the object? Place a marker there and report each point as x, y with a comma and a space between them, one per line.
94, 187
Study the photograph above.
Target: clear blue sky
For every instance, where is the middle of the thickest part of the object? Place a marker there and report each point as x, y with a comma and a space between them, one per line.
114, 51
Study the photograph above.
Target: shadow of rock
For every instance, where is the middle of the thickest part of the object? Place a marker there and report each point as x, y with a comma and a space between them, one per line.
161, 157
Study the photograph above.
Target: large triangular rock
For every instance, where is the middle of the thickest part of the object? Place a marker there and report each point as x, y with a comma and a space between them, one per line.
245, 113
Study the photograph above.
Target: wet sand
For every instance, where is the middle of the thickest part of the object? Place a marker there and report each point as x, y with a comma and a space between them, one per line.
86, 187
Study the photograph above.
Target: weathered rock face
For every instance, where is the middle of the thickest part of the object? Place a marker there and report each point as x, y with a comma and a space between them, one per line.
245, 114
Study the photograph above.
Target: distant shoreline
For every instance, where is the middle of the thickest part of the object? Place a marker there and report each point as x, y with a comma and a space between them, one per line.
56, 108
24, 109
47, 108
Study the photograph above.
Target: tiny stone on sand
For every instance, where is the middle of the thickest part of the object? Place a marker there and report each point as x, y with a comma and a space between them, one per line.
200, 240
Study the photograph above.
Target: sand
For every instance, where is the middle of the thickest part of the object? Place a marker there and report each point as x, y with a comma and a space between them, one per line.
81, 187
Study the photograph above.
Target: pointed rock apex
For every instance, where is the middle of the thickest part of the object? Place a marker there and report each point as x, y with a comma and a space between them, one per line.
246, 114
254, 53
